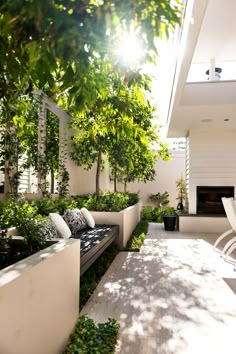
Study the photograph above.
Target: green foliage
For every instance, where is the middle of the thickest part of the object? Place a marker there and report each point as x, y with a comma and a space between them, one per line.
44, 206
138, 236
4, 239
182, 189
161, 199
119, 128
152, 214
27, 132
91, 278
90, 337
13, 212
63, 184
169, 211
47, 205
147, 213
66, 49
108, 201
30, 230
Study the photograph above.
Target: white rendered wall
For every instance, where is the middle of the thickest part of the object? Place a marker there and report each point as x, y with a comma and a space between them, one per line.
167, 172
127, 220
212, 161
81, 181
40, 300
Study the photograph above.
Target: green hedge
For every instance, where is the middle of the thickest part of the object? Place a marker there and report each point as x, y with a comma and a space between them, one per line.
138, 236
107, 201
14, 210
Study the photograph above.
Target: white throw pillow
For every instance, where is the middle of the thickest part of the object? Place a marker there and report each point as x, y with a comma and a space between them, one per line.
61, 226
89, 218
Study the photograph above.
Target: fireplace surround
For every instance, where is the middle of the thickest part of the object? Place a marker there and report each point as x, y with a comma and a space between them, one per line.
209, 199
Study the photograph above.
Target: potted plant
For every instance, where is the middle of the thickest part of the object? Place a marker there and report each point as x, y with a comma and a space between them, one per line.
181, 188
169, 218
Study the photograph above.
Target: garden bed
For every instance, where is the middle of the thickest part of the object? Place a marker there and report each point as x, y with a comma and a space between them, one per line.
127, 220
23, 215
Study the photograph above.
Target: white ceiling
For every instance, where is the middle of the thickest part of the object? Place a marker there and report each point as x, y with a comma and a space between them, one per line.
212, 34
217, 38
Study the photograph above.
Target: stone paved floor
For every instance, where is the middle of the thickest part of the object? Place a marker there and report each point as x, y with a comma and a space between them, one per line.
177, 296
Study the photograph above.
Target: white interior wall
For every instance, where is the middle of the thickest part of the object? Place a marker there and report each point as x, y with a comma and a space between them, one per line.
167, 172
212, 161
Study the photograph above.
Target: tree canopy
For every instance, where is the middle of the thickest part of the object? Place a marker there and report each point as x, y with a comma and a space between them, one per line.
68, 48
51, 42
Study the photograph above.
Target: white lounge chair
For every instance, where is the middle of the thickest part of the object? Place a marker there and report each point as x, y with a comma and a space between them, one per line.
230, 210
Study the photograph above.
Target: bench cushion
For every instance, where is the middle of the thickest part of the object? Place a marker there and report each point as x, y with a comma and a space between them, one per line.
93, 242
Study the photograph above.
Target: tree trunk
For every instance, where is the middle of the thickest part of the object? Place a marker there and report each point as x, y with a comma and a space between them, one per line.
11, 161
125, 186
52, 180
99, 161
115, 180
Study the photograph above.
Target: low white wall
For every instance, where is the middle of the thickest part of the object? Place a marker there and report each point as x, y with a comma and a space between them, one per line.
127, 219
203, 224
40, 300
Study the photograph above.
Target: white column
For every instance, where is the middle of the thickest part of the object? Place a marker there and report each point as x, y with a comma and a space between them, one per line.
63, 149
42, 125
212, 70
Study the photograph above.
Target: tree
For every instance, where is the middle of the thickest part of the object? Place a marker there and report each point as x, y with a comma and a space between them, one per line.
51, 45
119, 127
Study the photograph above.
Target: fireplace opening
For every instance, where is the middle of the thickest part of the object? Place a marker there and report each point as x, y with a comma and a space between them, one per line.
209, 199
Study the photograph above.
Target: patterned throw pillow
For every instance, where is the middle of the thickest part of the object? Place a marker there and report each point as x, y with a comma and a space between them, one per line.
75, 220
48, 230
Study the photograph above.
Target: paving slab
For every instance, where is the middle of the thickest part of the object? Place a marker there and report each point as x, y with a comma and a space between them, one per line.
175, 296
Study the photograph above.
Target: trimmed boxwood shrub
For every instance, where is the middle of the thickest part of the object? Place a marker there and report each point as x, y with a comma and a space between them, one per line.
137, 237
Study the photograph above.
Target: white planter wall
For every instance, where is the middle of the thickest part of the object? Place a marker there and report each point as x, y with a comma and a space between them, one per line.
212, 161
127, 219
39, 300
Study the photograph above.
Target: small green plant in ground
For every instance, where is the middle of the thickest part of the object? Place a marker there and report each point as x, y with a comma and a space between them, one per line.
91, 278
152, 214
90, 337
161, 199
138, 236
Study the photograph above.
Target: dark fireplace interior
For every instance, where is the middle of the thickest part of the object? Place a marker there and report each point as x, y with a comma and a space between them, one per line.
209, 199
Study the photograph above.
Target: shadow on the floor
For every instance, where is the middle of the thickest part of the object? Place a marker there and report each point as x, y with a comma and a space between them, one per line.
171, 293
